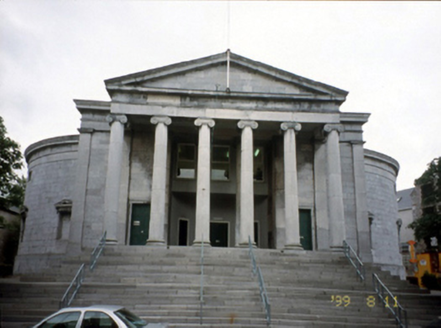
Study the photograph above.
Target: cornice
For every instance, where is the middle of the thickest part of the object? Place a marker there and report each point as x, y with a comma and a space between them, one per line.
51, 142
220, 94
92, 105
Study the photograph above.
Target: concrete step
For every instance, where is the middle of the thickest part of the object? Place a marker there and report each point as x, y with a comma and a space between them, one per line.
163, 284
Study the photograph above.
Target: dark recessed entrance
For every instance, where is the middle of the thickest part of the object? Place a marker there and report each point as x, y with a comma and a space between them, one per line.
219, 234
305, 229
183, 232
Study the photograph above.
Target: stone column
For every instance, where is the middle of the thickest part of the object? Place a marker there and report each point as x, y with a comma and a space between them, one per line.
157, 206
292, 226
246, 210
337, 229
202, 234
113, 177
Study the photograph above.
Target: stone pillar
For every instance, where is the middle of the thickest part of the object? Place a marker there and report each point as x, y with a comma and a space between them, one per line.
292, 226
113, 177
321, 192
79, 194
246, 210
362, 214
157, 207
202, 234
337, 231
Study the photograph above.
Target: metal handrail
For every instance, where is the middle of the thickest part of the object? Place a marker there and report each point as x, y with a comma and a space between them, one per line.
263, 294
97, 251
357, 264
201, 292
76, 283
396, 309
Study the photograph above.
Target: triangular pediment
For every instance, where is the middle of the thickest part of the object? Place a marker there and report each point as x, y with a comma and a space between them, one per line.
224, 73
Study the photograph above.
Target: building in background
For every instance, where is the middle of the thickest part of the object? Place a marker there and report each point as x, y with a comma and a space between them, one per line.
405, 217
217, 150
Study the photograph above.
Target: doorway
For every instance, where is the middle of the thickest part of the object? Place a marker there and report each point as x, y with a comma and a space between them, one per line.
183, 232
219, 234
139, 224
305, 229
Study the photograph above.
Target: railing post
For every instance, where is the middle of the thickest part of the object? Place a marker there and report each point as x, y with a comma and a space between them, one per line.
400, 313
262, 289
358, 264
97, 251
77, 281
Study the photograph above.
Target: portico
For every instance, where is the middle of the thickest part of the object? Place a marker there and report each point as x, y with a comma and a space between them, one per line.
205, 146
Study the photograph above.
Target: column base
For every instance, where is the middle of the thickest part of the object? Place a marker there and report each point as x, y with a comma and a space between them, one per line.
156, 243
111, 241
293, 247
199, 243
337, 248
246, 245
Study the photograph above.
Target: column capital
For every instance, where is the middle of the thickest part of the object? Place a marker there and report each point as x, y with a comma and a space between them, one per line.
161, 119
244, 123
331, 127
201, 121
285, 126
116, 118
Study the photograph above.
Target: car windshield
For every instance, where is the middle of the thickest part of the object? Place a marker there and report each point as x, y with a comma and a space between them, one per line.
130, 319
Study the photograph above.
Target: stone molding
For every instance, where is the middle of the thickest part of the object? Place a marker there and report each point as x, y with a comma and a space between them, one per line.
69, 140
161, 119
285, 126
64, 206
116, 118
201, 121
333, 127
244, 123
86, 130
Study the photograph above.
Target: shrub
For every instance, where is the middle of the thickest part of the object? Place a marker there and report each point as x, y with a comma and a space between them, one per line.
430, 281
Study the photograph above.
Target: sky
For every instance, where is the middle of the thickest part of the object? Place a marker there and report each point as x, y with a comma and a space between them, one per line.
386, 54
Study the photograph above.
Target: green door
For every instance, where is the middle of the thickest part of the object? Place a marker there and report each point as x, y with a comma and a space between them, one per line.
306, 229
139, 225
219, 234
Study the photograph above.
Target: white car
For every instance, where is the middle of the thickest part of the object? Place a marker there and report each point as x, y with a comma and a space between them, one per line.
96, 316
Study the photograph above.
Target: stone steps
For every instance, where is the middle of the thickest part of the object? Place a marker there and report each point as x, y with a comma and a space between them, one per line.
163, 285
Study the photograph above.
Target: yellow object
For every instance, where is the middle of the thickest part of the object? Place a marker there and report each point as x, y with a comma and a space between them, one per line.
427, 262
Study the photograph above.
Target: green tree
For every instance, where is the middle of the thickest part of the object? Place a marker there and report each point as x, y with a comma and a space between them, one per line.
429, 224
12, 186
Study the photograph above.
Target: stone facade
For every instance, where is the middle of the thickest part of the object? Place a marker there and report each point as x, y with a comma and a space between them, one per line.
216, 150
381, 172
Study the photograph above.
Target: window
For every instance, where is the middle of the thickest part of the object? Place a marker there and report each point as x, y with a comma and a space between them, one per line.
95, 319
220, 164
258, 164
186, 166
65, 320
64, 210
130, 319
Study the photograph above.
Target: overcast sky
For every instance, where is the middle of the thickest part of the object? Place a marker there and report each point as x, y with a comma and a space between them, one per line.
386, 54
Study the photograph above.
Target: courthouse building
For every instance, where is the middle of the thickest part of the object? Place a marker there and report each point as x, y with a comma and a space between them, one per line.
215, 150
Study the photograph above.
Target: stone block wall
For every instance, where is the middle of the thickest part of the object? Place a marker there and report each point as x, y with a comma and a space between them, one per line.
381, 172
51, 179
